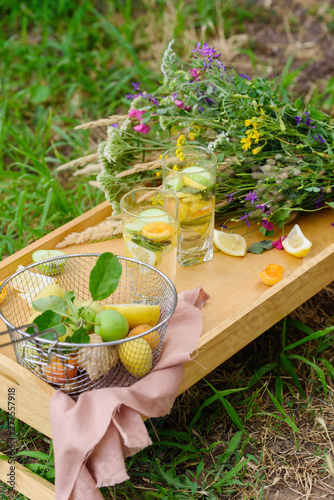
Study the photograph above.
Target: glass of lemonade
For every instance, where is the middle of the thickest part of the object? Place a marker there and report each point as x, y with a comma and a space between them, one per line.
190, 172
150, 227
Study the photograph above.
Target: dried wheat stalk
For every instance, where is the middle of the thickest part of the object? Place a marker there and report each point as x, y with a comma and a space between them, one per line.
103, 122
79, 162
151, 165
89, 169
107, 229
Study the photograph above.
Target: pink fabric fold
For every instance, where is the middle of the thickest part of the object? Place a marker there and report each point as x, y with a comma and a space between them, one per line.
93, 435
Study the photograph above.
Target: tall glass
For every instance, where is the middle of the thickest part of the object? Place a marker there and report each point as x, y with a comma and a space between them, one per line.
150, 227
190, 171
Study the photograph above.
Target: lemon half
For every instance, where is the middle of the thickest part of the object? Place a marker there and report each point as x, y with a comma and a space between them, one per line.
295, 243
231, 244
135, 251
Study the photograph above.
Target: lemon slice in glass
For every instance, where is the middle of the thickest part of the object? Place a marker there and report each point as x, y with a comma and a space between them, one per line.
295, 243
140, 253
231, 244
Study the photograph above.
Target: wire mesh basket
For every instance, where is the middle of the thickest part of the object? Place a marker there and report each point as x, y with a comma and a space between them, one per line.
76, 368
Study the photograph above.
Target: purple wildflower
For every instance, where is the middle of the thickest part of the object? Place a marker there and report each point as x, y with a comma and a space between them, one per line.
223, 226
135, 86
263, 207
298, 119
230, 198
208, 56
318, 137
332, 224
245, 76
251, 196
245, 218
318, 202
115, 125
308, 120
268, 226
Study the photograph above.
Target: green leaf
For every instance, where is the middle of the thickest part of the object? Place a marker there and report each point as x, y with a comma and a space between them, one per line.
49, 319
316, 368
69, 297
290, 369
260, 246
105, 276
52, 303
80, 336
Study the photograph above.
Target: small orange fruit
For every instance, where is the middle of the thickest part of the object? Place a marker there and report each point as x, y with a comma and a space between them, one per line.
158, 231
3, 294
272, 274
60, 371
153, 338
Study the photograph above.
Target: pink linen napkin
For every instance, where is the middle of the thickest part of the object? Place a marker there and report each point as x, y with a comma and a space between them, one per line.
93, 435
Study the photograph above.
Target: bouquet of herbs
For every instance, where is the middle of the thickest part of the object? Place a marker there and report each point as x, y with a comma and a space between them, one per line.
275, 157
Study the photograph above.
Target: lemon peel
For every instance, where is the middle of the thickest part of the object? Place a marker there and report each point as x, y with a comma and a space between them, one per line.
231, 244
296, 243
140, 253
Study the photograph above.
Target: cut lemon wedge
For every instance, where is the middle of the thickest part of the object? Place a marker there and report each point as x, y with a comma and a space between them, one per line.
231, 244
295, 243
188, 181
135, 251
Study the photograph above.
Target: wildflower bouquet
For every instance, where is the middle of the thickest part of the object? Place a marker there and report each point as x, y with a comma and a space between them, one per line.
275, 157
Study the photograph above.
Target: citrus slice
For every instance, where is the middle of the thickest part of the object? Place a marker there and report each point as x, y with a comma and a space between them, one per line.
156, 213
137, 314
158, 231
188, 181
272, 274
140, 253
50, 268
295, 243
231, 244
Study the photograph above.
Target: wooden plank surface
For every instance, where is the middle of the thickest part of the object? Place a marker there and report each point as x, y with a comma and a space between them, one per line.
29, 484
241, 308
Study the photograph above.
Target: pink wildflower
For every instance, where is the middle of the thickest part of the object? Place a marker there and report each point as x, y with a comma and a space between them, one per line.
278, 244
268, 226
143, 128
180, 104
135, 113
195, 73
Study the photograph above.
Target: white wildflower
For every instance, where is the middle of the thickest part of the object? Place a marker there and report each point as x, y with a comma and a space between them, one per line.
220, 139
168, 60
163, 122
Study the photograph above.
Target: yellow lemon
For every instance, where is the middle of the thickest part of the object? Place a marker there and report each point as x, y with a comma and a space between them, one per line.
295, 243
3, 294
136, 357
137, 252
137, 314
152, 338
231, 244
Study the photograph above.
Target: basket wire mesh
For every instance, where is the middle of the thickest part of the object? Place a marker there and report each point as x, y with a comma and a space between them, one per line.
76, 368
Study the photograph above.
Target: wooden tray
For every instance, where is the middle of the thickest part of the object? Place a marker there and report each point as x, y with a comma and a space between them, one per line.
240, 309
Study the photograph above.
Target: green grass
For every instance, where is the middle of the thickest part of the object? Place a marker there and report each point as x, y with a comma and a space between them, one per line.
66, 62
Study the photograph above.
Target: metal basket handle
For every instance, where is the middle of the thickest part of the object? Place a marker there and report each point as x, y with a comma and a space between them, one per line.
33, 335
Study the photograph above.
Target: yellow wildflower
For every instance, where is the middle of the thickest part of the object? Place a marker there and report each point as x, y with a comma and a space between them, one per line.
247, 142
255, 124
247, 123
255, 135
175, 167
191, 136
256, 151
181, 140
158, 174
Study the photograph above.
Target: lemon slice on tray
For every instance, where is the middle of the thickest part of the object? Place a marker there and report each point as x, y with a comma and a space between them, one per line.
140, 253
231, 244
296, 243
